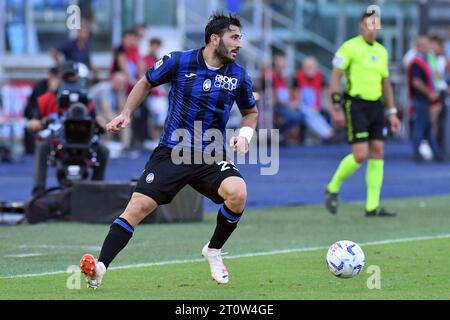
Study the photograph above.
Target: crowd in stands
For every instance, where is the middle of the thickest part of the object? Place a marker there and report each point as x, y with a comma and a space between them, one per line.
428, 77
300, 100
130, 60
301, 103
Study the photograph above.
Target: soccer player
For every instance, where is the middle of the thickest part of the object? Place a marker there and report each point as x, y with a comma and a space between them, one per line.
364, 62
205, 84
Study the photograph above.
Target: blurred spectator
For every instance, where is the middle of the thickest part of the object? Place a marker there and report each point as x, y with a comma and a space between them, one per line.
153, 55
157, 102
437, 62
141, 31
5, 152
439, 66
309, 84
288, 116
409, 56
438, 48
110, 97
265, 95
126, 57
423, 95
77, 50
32, 110
447, 44
43, 86
447, 54
126, 60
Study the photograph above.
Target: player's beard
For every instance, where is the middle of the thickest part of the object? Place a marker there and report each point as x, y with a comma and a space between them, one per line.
223, 54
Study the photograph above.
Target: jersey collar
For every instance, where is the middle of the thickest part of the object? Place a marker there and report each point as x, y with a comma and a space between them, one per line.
202, 62
368, 43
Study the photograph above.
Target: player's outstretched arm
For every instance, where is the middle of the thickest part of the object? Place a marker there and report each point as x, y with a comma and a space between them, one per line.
135, 98
249, 121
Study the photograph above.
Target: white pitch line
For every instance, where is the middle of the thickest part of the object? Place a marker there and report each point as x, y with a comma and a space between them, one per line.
23, 255
245, 255
49, 246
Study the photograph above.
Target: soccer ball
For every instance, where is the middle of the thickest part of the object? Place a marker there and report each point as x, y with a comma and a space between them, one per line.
345, 259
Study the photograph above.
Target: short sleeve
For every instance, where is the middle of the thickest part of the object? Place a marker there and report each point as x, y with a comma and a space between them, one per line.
163, 70
343, 57
385, 71
245, 99
417, 72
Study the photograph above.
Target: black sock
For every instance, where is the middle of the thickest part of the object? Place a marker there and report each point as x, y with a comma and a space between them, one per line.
119, 235
226, 223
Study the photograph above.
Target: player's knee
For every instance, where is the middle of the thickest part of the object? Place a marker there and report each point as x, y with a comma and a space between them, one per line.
376, 153
237, 195
138, 208
379, 154
240, 196
143, 208
360, 157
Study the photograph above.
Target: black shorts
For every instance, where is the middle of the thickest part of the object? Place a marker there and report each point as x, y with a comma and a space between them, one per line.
162, 179
365, 120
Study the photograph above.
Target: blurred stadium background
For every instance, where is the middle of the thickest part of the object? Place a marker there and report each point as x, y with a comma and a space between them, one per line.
295, 28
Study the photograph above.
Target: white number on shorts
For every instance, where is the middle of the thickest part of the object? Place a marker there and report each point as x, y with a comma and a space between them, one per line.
225, 165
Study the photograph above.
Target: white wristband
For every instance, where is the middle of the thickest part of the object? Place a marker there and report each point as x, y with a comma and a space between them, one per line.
247, 133
392, 110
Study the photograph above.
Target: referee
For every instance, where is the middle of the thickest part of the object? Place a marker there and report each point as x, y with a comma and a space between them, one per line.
364, 62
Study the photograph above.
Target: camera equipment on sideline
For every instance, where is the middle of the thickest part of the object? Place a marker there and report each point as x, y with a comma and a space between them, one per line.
73, 132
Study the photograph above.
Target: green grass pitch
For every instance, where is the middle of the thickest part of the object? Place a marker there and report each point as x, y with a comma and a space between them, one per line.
275, 253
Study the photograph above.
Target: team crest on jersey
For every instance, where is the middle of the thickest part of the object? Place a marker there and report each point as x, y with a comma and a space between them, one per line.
150, 177
207, 85
374, 58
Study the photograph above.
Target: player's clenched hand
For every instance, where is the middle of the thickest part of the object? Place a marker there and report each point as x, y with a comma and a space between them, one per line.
395, 123
339, 118
118, 123
239, 144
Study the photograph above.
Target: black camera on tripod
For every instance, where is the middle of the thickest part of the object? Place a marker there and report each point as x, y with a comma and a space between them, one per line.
74, 133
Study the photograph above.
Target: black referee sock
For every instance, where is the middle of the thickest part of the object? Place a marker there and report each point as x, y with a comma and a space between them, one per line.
119, 235
227, 221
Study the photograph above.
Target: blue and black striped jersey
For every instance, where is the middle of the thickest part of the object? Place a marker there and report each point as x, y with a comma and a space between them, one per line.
199, 94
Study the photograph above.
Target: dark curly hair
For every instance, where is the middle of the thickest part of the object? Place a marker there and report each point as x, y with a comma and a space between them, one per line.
219, 23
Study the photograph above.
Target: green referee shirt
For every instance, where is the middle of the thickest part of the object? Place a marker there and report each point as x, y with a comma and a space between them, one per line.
365, 66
